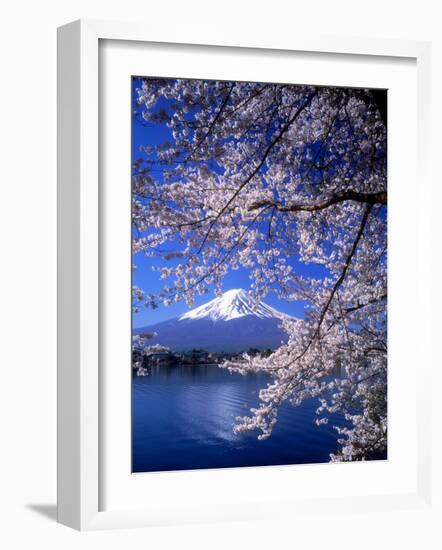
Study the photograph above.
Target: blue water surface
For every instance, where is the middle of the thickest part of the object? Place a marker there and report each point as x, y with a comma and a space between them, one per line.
183, 416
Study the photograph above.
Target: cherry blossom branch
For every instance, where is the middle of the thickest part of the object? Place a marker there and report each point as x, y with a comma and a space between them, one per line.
346, 265
212, 123
259, 166
342, 196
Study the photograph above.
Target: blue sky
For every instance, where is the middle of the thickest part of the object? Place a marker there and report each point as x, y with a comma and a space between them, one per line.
149, 281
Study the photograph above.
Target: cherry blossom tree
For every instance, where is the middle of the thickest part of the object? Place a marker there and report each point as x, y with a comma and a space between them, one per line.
261, 176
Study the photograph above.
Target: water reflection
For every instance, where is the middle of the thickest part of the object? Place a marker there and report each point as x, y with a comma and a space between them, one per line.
182, 418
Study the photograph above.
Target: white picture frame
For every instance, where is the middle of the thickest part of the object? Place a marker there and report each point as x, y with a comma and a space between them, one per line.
79, 261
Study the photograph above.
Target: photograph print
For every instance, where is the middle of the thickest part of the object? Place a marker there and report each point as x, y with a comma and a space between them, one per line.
259, 274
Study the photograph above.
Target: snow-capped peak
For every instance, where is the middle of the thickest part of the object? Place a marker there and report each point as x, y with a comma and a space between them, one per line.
232, 304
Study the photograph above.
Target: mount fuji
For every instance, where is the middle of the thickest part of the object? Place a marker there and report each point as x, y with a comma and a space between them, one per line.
230, 323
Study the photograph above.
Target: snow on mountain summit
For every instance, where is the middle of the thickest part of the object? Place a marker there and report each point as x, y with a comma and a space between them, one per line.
233, 304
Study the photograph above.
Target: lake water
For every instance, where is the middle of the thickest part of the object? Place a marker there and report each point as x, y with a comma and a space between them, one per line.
182, 419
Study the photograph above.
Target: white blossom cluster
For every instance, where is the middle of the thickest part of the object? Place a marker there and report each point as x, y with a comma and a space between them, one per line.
141, 350
253, 176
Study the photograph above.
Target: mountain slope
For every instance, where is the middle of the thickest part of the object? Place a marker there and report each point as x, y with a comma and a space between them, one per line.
230, 323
